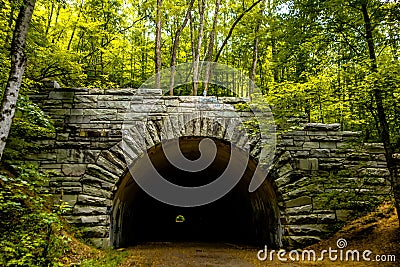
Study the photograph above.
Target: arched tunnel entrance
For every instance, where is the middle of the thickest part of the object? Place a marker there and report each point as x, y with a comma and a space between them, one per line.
238, 217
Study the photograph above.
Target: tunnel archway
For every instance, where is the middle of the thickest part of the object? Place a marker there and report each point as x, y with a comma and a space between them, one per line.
238, 217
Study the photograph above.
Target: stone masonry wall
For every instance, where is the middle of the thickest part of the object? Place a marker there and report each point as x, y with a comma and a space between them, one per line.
86, 161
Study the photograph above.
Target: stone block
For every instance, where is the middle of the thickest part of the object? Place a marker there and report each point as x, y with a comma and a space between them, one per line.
310, 164
109, 166
95, 191
96, 231
294, 193
310, 145
68, 190
284, 169
73, 169
95, 220
302, 219
96, 91
97, 171
327, 218
329, 138
114, 104
90, 210
320, 153
322, 127
97, 111
300, 201
307, 229
61, 95
306, 209
148, 108
375, 172
70, 199
122, 91
100, 242
93, 201
97, 182
149, 92
85, 99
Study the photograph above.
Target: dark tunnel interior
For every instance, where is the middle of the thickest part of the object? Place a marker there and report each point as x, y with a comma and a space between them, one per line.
238, 217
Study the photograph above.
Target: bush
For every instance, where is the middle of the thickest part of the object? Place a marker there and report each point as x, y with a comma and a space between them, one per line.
30, 226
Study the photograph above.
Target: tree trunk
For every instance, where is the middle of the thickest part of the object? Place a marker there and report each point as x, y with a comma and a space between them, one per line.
50, 18
384, 131
158, 45
210, 48
255, 52
175, 47
237, 20
18, 61
74, 29
202, 6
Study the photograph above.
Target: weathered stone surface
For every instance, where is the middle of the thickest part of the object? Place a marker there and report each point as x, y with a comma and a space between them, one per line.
95, 191
109, 166
89, 210
70, 199
375, 172
61, 95
97, 182
322, 127
308, 229
88, 220
73, 169
100, 242
302, 219
150, 92
91, 200
99, 172
309, 164
96, 231
326, 218
310, 145
299, 210
301, 201
320, 153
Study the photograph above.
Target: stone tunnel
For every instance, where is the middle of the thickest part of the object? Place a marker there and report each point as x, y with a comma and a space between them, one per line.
89, 162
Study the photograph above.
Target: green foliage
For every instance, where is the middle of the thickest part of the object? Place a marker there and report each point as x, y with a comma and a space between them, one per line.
341, 192
30, 226
29, 124
112, 258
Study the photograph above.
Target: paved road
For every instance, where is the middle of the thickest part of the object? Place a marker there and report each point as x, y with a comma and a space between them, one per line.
167, 254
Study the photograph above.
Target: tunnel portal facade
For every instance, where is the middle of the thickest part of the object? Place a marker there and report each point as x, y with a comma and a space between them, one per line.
89, 161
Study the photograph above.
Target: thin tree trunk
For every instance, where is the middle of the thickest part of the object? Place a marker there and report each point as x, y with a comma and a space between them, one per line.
383, 129
192, 44
50, 18
74, 29
18, 61
255, 59
210, 48
255, 52
202, 6
232, 28
175, 47
158, 45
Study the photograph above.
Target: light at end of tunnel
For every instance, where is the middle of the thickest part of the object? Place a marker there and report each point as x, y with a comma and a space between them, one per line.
179, 219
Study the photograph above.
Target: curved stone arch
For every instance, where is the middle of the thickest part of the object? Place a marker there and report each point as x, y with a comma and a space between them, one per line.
110, 169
